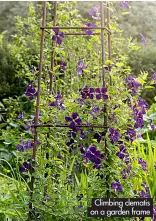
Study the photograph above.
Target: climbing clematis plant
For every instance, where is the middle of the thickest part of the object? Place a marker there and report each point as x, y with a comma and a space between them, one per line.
86, 130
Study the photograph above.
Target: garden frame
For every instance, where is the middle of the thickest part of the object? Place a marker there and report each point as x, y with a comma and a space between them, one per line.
44, 28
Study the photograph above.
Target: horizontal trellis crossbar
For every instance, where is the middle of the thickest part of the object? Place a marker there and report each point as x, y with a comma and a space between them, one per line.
65, 125
81, 34
74, 27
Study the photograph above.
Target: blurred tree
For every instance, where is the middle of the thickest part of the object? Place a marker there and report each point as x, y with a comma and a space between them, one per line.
8, 11
132, 22
9, 84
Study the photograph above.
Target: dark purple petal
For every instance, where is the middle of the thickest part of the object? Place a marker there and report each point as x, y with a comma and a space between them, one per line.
98, 154
59, 97
54, 38
119, 188
22, 169
105, 96
103, 90
84, 67
61, 34
79, 70
102, 156
92, 149
20, 147
53, 104
68, 119
113, 185
111, 130
86, 90
74, 115
82, 149
28, 166
59, 40
28, 144
91, 96
70, 142
27, 127
72, 125
89, 32
73, 134
59, 156
98, 96
21, 115
97, 161
91, 90
78, 121
121, 147
56, 30
82, 135
97, 90
89, 24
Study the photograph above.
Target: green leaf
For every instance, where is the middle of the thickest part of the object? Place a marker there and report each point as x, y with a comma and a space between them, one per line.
149, 87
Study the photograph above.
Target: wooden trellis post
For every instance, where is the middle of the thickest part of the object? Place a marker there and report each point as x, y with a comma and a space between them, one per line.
43, 29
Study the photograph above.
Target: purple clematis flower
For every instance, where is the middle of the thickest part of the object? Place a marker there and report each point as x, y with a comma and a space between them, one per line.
143, 163
90, 25
29, 127
122, 154
94, 156
143, 40
58, 36
130, 134
133, 84
25, 167
99, 93
126, 172
24, 145
75, 120
117, 186
80, 67
21, 115
114, 135
63, 65
144, 194
87, 92
142, 104
59, 156
95, 110
95, 12
57, 103
124, 4
145, 186
139, 109
30, 91
98, 136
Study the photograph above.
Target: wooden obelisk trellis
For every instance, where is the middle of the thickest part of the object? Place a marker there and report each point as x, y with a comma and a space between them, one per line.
43, 29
